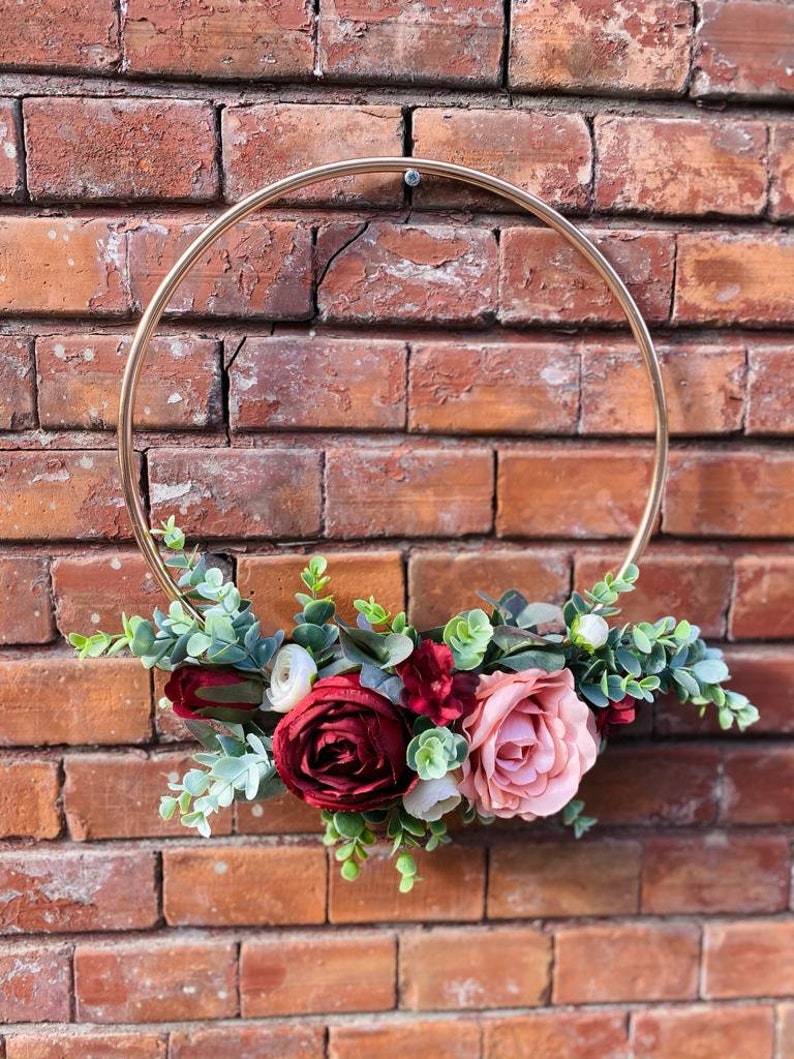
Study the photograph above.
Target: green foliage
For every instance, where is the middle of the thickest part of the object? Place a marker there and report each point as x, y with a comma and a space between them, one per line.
468, 635
436, 751
351, 833
573, 816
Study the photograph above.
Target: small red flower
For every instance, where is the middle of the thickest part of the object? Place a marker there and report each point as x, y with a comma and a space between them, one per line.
616, 713
430, 687
195, 694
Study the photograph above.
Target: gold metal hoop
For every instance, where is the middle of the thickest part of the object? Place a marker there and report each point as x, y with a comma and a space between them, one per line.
355, 167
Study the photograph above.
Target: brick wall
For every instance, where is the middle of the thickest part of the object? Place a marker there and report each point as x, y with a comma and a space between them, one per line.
471, 425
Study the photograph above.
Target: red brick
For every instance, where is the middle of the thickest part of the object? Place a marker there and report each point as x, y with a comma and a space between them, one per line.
758, 786
729, 494
120, 149
452, 887
743, 48
571, 491
57, 495
770, 390
271, 582
735, 278
68, 34
761, 606
62, 266
702, 1033
25, 608
235, 885
396, 493
264, 1041
591, 46
10, 151
704, 385
117, 796
453, 968
17, 399
543, 279
488, 388
427, 42
680, 165
54, 698
694, 586
81, 1045
540, 879
626, 962
269, 141
237, 492
260, 268
785, 1015
443, 583
766, 676
36, 982
67, 890
283, 815
653, 785
385, 1040
557, 1035
29, 799
781, 167
229, 39
306, 975
548, 155
79, 380
287, 382
144, 981
402, 273
715, 872
754, 958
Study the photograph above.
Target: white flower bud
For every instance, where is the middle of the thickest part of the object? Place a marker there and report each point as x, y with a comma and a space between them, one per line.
589, 631
432, 799
293, 674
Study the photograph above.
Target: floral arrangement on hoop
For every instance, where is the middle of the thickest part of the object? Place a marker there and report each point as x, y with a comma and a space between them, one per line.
384, 728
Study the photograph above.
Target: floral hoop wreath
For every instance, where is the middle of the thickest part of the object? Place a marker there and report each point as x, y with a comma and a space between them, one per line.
385, 728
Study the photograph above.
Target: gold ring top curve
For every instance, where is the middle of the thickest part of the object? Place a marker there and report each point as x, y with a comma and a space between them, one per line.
355, 167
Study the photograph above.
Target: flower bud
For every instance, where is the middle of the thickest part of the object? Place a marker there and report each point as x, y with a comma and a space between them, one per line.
293, 673
589, 631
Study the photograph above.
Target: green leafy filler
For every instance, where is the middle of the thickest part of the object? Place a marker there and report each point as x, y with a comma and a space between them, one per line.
608, 663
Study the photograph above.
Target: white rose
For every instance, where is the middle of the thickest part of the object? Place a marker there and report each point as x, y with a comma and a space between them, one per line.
432, 799
293, 674
589, 631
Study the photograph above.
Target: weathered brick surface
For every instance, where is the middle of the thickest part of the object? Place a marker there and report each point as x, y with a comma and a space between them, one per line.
399, 273
543, 279
259, 269
548, 155
512, 387
17, 396
287, 382
229, 886
28, 799
557, 1035
385, 1040
750, 959
63, 891
428, 42
40, 34
781, 165
10, 151
79, 379
228, 39
143, 982
758, 786
120, 149
680, 166
54, 1044
743, 48
310, 974
243, 492
770, 397
734, 279
704, 385
668, 1033
264, 1040
61, 266
54, 698
761, 607
91, 590
591, 46
267, 142
25, 608
36, 982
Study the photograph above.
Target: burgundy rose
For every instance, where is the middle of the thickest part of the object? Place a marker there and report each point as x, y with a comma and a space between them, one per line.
615, 713
430, 687
222, 694
343, 747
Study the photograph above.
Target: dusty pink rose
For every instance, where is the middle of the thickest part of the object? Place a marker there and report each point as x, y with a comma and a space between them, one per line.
531, 739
